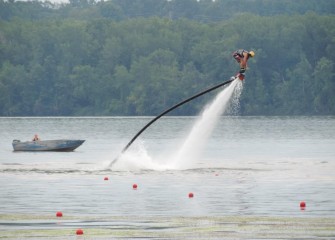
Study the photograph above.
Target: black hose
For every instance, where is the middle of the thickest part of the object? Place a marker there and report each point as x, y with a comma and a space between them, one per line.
167, 111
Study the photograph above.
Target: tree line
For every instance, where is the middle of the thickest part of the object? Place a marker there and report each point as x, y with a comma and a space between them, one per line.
61, 62
197, 10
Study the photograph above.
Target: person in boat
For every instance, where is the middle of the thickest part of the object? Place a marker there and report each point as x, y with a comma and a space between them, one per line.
36, 138
242, 56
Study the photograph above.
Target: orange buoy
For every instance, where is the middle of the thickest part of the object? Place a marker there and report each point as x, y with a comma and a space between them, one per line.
134, 186
190, 195
79, 232
59, 214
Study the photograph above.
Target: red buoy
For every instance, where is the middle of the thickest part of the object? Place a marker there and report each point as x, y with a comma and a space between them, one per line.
190, 195
106, 178
79, 232
59, 214
302, 205
134, 186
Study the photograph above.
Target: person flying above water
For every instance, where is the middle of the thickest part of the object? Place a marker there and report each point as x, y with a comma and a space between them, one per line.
242, 56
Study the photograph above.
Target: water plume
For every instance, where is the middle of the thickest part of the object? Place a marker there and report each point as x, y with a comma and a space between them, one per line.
192, 148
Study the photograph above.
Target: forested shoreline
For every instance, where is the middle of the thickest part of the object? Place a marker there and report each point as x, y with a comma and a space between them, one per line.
119, 58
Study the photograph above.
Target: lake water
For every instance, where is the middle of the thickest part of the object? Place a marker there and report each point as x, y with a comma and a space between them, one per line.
261, 166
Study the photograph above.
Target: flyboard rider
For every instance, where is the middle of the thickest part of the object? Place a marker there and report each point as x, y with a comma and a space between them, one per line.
242, 56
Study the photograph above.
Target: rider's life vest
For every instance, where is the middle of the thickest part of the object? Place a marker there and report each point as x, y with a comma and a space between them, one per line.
239, 54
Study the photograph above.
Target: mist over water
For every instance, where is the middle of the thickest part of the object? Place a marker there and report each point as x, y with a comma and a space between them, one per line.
138, 158
191, 149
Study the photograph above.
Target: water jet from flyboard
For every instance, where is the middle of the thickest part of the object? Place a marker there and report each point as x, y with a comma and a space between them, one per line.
167, 111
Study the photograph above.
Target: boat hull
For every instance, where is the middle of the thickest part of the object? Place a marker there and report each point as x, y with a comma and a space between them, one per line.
62, 145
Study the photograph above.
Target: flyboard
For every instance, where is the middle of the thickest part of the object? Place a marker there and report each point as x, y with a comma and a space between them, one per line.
238, 76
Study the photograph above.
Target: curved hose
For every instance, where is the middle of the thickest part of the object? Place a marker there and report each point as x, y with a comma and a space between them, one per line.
167, 111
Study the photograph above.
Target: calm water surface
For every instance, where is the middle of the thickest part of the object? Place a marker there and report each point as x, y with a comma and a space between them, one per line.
249, 166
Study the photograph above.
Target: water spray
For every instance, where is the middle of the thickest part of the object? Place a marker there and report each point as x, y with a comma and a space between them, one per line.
167, 111
193, 145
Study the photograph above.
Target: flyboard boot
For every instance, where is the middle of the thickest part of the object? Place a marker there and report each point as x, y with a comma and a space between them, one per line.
239, 76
